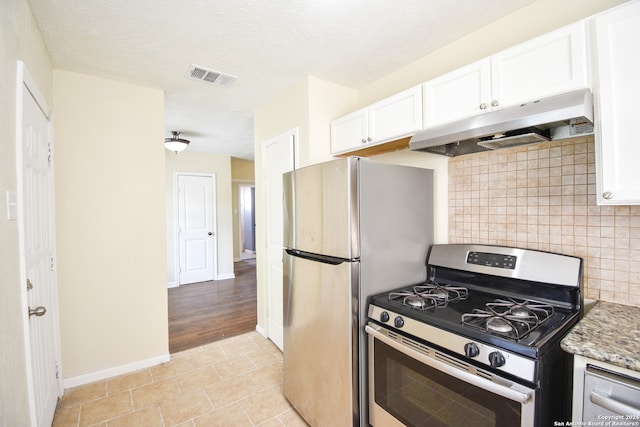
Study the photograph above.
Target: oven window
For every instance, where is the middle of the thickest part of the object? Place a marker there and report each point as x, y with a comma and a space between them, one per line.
419, 395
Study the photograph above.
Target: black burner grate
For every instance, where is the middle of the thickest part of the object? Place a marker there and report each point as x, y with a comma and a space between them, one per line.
510, 318
428, 295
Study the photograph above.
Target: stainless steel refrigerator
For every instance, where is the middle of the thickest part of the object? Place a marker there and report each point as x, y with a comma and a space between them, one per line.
353, 228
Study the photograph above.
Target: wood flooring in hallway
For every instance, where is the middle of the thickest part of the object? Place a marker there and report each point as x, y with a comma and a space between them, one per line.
201, 313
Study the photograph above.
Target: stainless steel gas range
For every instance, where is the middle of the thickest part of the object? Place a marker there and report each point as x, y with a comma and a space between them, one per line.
478, 343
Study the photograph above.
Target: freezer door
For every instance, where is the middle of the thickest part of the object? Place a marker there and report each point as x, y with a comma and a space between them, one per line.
319, 330
320, 209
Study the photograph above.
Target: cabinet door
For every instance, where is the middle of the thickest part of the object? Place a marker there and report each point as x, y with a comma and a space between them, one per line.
553, 63
350, 132
395, 117
616, 94
460, 93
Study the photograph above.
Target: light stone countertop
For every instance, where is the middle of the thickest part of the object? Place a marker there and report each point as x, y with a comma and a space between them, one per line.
608, 333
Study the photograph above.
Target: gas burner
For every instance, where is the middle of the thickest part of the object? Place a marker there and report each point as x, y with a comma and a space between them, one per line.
415, 301
510, 318
411, 299
522, 308
428, 295
498, 324
447, 293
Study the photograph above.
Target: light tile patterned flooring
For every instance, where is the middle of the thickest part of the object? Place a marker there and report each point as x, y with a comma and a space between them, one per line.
233, 382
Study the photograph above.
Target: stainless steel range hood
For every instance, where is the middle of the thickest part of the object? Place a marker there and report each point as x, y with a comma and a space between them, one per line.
529, 123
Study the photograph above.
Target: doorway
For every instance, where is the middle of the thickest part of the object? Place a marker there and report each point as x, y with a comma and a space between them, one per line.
247, 221
278, 157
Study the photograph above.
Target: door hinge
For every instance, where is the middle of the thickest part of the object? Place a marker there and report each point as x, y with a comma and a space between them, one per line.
57, 370
29, 285
52, 265
49, 152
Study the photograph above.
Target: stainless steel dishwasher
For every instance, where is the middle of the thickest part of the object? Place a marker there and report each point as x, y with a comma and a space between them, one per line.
610, 396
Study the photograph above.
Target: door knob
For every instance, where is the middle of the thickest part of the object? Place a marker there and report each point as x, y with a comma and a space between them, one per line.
210, 233
38, 311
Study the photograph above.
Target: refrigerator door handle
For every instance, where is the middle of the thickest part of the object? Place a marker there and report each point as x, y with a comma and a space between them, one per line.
316, 257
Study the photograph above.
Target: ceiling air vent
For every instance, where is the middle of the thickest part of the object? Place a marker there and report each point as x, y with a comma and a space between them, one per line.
211, 76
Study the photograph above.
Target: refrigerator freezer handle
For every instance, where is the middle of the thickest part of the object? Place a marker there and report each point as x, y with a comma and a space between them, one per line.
316, 257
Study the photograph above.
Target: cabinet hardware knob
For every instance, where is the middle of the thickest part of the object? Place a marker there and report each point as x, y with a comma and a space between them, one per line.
369, 139
483, 106
38, 311
364, 141
495, 103
607, 195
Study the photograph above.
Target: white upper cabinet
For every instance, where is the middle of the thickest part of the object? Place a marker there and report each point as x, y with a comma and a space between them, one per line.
553, 63
395, 117
350, 132
460, 93
616, 89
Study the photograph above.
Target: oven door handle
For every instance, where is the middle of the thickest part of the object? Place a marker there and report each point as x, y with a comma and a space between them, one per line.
500, 390
613, 405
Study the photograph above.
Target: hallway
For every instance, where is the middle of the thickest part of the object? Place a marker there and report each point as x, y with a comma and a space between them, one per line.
201, 313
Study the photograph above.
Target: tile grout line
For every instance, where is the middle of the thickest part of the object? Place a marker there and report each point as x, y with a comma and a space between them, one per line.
257, 349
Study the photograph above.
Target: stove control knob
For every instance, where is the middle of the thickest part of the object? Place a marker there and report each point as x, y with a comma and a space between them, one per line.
496, 359
398, 322
471, 350
384, 317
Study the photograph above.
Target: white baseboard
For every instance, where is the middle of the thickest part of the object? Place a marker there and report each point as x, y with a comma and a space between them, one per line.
261, 331
225, 276
173, 285
115, 371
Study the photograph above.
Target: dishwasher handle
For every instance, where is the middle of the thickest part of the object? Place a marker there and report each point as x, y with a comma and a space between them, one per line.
613, 405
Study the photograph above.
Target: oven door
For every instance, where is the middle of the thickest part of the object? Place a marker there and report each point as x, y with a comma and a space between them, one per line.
414, 385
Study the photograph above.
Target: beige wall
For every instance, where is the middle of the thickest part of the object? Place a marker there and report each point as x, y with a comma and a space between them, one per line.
204, 163
242, 173
242, 170
532, 20
110, 215
19, 40
325, 101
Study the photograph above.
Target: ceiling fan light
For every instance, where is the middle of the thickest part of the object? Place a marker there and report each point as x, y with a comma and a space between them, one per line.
175, 143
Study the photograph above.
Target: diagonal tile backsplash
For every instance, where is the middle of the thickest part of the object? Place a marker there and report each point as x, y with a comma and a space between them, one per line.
543, 197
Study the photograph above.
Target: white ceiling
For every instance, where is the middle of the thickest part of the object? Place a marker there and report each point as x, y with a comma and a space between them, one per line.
269, 45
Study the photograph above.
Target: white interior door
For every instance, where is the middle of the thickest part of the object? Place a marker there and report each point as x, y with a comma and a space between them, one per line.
278, 157
196, 231
35, 195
